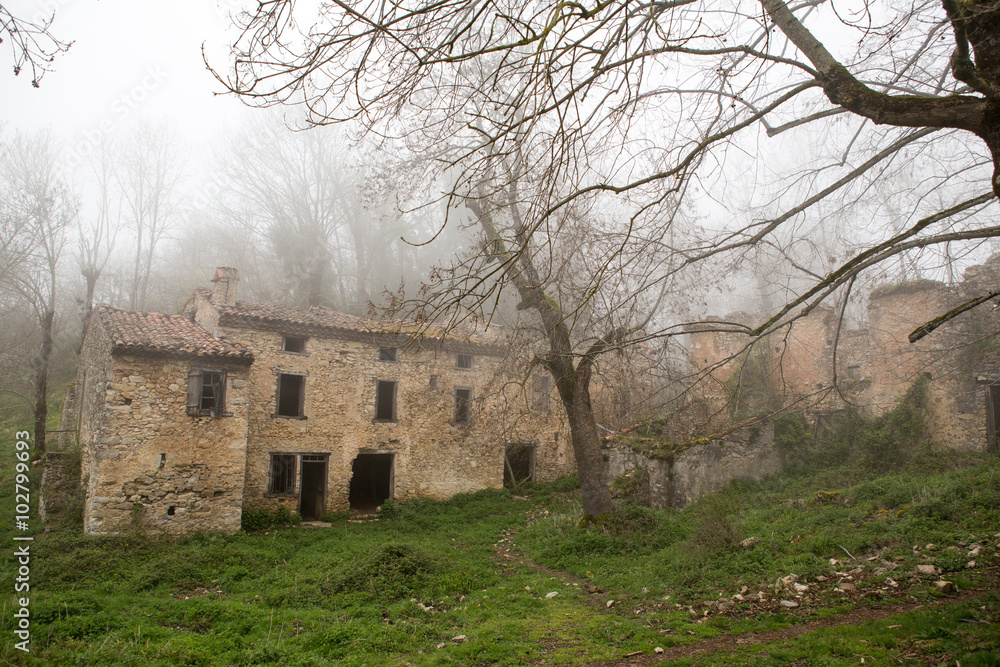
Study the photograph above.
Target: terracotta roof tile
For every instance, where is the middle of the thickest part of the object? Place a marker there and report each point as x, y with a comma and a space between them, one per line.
169, 334
316, 319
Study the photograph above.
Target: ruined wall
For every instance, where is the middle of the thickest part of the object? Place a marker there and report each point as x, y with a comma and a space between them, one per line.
148, 464
680, 478
433, 456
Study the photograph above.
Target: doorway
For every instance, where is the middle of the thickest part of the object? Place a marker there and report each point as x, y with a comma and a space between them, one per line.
519, 465
371, 480
312, 486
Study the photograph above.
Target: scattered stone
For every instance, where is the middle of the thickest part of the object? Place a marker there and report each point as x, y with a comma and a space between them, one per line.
974, 552
441, 645
970, 564
610, 604
789, 604
549, 596
750, 542
821, 578
833, 562
930, 547
800, 588
846, 588
658, 649
744, 590
459, 639
739, 598
928, 570
945, 587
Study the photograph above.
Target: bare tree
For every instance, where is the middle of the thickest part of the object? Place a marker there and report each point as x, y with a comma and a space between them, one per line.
36, 195
652, 104
31, 42
96, 233
148, 173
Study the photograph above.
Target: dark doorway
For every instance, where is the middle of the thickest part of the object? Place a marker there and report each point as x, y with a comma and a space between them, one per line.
371, 483
993, 417
519, 465
312, 489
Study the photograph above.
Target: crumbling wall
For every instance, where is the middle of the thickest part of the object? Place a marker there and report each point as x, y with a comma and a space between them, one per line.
677, 478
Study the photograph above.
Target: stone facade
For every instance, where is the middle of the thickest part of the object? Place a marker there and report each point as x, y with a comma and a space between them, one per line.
317, 411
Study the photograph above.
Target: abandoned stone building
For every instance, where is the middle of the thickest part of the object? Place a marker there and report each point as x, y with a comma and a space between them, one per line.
876, 363
185, 421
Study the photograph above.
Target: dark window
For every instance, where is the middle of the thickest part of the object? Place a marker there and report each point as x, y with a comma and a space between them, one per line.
853, 372
206, 393
540, 393
463, 406
296, 344
385, 400
463, 361
291, 395
434, 382
282, 474
388, 354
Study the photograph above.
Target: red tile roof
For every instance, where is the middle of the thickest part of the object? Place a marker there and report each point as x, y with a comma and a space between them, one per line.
167, 334
321, 320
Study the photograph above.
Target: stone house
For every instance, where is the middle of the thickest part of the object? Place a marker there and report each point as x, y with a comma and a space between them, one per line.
187, 420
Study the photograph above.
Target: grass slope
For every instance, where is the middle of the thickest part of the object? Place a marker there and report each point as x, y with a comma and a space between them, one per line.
407, 589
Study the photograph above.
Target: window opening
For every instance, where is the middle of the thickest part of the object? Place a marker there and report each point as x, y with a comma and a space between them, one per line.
463, 361
434, 382
282, 478
163, 460
171, 510
296, 344
853, 372
385, 400
463, 406
206, 393
291, 395
388, 354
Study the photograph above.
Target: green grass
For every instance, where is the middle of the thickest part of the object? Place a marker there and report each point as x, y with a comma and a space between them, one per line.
398, 591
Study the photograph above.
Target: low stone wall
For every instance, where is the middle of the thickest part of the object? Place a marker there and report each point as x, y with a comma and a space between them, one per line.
678, 478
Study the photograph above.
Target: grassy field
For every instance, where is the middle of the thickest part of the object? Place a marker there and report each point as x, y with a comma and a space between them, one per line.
471, 581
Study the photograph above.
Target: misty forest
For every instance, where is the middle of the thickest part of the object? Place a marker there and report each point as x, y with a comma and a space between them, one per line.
751, 249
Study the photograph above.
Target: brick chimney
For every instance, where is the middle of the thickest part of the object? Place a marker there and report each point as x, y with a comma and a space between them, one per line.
226, 279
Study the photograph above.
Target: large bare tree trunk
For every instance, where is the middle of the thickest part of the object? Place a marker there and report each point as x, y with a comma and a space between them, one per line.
42, 381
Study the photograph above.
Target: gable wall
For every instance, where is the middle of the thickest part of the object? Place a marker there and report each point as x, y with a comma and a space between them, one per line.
137, 414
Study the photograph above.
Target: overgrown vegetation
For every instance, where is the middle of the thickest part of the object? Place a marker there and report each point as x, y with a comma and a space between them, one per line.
878, 443
264, 518
406, 590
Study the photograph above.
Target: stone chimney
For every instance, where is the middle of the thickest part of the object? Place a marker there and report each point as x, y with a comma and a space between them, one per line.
226, 279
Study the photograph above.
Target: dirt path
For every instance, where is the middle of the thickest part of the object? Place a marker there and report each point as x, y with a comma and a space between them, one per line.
508, 558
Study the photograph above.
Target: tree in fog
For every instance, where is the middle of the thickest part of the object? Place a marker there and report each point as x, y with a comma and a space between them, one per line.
39, 209
317, 203
147, 173
98, 231
651, 105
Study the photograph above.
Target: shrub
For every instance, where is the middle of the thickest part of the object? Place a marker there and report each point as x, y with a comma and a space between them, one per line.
263, 518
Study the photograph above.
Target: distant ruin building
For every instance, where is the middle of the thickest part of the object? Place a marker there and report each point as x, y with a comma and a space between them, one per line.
185, 421
875, 365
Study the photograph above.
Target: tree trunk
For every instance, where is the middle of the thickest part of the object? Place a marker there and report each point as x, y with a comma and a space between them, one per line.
574, 390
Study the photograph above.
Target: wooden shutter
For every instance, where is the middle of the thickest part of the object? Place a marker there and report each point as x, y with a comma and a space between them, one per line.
219, 392
194, 392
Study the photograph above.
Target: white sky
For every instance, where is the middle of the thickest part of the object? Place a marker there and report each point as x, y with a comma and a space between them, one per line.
131, 59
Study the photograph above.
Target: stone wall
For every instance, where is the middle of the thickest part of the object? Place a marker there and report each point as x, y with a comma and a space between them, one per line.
146, 463
681, 477
432, 455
